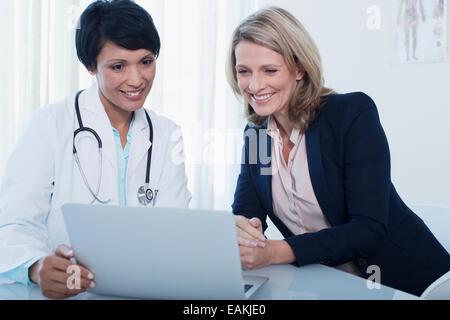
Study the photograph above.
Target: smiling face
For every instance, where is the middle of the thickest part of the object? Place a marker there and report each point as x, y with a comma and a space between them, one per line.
264, 78
125, 78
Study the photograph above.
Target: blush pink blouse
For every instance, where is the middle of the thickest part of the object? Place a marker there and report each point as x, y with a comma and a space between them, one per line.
294, 201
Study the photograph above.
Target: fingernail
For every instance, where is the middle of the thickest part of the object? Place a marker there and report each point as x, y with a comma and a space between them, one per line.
262, 238
90, 276
92, 285
262, 244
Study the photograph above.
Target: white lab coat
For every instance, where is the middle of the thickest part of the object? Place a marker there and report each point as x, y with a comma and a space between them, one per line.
41, 174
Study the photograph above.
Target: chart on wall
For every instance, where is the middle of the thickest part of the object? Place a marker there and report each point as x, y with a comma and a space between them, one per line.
420, 31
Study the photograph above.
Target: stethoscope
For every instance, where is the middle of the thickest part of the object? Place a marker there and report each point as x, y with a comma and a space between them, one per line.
145, 194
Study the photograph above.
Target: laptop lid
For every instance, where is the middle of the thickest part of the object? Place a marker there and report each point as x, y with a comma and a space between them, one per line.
157, 253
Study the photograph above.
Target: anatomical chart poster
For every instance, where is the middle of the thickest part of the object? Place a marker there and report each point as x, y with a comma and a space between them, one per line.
420, 31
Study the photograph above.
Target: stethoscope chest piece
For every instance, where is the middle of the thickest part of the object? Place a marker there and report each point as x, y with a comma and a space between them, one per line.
145, 195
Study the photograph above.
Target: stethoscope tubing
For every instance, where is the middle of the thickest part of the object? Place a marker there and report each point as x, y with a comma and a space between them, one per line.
146, 188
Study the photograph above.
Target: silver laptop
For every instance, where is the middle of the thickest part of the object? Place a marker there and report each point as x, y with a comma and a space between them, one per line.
158, 253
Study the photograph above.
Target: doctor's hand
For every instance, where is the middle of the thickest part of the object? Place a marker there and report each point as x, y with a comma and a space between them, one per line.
249, 232
52, 275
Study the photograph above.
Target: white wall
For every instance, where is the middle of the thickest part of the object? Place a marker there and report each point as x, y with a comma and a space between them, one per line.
413, 100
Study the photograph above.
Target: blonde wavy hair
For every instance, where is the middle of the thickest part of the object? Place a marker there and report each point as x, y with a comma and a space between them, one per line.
278, 30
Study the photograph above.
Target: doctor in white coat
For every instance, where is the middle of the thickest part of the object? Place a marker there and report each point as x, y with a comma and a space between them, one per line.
118, 43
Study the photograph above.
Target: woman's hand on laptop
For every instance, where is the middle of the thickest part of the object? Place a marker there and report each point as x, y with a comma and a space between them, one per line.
249, 232
54, 276
275, 252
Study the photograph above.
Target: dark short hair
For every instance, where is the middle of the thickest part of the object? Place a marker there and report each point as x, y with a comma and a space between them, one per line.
122, 22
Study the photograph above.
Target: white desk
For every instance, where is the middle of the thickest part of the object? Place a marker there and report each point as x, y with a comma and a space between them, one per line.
286, 282
319, 282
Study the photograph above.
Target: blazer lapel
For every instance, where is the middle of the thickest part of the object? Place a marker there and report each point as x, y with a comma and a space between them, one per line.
316, 172
265, 168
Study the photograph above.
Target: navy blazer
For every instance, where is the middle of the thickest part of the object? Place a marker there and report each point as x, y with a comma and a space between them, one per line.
349, 166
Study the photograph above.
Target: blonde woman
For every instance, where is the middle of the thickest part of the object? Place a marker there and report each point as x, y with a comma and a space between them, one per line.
317, 164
